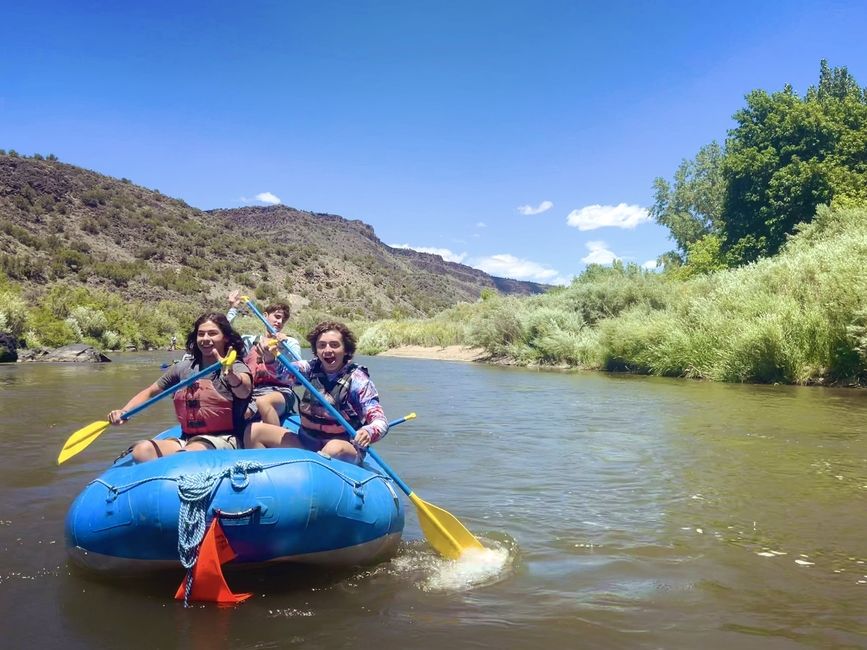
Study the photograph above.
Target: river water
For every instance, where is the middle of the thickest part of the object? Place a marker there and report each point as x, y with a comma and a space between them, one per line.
622, 512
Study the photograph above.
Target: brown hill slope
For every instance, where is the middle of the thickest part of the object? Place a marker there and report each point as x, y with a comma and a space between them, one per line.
61, 222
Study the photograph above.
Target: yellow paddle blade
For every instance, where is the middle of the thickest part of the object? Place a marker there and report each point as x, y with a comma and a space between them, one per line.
445, 533
81, 439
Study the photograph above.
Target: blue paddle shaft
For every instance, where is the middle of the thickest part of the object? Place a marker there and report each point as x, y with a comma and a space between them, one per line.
261, 316
328, 407
300, 377
399, 421
337, 416
270, 327
171, 390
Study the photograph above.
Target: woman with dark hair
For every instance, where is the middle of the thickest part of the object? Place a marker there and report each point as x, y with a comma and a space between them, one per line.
347, 386
211, 411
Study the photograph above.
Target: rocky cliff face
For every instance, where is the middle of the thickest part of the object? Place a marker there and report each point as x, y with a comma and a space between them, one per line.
61, 222
436, 264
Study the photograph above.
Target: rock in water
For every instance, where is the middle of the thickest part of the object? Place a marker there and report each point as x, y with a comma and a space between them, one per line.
76, 353
8, 348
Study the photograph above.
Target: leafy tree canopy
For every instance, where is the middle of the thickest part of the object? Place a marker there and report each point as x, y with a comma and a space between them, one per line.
691, 207
786, 156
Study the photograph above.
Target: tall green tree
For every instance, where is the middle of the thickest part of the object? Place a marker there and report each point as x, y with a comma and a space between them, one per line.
691, 206
789, 154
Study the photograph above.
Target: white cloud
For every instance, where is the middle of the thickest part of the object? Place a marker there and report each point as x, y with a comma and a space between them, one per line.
502, 265
599, 253
528, 210
445, 253
481, 224
509, 266
267, 197
650, 265
621, 215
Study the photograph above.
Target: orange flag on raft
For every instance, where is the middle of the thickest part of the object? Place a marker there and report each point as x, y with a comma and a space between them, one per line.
209, 585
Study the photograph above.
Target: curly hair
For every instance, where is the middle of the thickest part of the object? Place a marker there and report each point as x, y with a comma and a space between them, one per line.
328, 326
233, 339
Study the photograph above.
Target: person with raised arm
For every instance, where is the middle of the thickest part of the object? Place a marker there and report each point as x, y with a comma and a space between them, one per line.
272, 383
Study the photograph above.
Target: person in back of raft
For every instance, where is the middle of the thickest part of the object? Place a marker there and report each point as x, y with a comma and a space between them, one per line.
347, 386
211, 411
272, 383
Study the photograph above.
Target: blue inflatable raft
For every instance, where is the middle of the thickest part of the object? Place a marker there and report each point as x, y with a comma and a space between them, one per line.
274, 505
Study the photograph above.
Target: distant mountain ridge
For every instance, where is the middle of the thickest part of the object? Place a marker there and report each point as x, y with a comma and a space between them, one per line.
59, 222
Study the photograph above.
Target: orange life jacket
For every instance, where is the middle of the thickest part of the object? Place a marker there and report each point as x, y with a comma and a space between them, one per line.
201, 409
262, 374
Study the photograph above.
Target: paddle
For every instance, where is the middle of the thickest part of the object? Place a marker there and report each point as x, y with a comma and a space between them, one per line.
271, 329
446, 534
79, 440
394, 423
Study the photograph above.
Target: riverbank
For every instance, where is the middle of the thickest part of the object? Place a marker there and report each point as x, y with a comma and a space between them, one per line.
445, 353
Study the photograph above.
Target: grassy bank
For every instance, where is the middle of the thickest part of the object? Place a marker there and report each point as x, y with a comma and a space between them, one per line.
799, 317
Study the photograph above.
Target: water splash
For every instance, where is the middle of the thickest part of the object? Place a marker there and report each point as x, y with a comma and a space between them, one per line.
475, 568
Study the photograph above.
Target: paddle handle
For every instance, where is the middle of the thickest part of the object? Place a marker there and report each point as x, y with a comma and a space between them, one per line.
410, 416
171, 390
394, 423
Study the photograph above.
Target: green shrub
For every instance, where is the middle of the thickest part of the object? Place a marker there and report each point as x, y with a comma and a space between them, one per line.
94, 197
69, 259
44, 330
111, 340
183, 283
87, 321
265, 292
375, 339
119, 273
497, 327
21, 267
13, 313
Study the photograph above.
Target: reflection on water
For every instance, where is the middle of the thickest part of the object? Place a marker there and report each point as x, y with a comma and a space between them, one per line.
622, 512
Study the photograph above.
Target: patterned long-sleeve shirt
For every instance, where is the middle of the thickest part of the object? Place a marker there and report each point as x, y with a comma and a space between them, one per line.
362, 397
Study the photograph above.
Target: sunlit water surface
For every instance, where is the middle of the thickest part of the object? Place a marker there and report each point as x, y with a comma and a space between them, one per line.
618, 512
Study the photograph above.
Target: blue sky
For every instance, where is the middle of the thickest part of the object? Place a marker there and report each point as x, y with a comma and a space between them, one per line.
521, 138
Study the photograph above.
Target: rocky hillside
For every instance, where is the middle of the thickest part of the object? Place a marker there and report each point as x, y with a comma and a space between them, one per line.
59, 222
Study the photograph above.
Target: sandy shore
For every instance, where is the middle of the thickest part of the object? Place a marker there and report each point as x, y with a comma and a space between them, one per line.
447, 353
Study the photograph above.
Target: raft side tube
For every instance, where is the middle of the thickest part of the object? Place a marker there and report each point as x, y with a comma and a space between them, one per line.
283, 505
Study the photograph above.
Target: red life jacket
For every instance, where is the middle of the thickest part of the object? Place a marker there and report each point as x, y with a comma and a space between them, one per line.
314, 417
262, 374
202, 410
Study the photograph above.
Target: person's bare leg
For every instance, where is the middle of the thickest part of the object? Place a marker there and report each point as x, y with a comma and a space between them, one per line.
261, 435
271, 407
341, 450
146, 450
